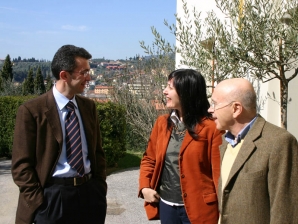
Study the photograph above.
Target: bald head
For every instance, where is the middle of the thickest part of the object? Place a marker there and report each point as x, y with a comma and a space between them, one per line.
238, 89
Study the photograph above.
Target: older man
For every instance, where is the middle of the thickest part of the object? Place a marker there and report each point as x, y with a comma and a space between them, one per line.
259, 161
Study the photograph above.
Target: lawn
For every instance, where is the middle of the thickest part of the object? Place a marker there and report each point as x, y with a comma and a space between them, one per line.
131, 159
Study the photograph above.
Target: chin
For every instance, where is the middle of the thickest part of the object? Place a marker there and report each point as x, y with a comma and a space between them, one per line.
218, 126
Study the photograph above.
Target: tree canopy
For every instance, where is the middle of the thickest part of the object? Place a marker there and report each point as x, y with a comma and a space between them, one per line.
6, 71
39, 86
256, 39
28, 84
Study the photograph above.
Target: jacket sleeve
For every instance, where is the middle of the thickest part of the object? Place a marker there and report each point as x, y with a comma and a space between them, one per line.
149, 160
216, 141
24, 159
283, 179
100, 173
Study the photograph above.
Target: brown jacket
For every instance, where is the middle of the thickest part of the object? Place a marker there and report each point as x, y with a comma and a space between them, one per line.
198, 165
262, 187
37, 146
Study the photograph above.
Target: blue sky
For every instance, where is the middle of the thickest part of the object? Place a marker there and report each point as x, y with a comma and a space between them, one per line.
110, 29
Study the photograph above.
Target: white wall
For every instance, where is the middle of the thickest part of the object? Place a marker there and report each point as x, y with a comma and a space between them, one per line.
202, 6
271, 109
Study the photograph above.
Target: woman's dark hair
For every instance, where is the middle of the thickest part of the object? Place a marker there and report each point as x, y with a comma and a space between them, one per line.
190, 86
65, 59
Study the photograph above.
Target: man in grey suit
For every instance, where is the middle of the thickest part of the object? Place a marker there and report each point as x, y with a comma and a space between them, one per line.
259, 161
50, 130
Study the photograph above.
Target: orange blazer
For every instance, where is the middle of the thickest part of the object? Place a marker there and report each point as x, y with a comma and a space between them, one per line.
198, 165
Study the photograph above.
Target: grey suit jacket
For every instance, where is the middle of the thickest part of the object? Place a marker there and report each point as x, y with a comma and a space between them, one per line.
263, 183
37, 146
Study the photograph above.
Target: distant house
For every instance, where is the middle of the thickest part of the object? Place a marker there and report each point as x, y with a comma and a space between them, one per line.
102, 98
105, 90
113, 65
100, 93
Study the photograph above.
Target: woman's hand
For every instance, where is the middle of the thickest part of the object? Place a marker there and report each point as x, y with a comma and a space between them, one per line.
150, 195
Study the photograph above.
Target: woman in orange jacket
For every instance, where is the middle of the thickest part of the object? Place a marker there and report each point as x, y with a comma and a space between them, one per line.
180, 169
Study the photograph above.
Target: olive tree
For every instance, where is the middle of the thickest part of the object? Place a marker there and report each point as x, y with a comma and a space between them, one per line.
257, 39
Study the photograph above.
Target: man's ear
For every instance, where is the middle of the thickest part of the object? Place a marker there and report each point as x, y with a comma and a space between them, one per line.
64, 75
237, 109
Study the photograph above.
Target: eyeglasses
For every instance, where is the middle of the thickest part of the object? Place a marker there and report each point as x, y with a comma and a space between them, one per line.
213, 105
84, 73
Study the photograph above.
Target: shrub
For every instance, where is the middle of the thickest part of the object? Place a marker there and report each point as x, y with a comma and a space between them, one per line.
111, 118
8, 110
113, 130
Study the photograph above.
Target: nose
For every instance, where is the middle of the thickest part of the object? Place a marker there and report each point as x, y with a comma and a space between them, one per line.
88, 77
164, 91
210, 110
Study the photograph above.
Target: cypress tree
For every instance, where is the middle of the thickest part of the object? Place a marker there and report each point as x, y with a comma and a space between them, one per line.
28, 84
1, 88
6, 71
39, 86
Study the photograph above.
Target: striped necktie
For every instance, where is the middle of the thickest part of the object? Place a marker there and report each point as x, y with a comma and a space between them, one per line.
73, 140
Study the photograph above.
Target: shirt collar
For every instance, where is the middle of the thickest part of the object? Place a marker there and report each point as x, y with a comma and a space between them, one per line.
175, 118
62, 100
234, 141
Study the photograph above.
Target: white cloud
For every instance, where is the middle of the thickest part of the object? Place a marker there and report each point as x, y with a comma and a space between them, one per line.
75, 28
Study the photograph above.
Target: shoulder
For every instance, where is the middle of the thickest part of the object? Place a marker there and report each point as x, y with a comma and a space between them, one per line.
271, 129
207, 123
38, 101
84, 100
270, 134
208, 127
162, 120
276, 133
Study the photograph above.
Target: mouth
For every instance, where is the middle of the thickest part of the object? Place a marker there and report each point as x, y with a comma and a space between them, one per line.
213, 118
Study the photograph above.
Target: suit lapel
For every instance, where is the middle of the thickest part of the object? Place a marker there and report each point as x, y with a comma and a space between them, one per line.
247, 147
53, 117
223, 147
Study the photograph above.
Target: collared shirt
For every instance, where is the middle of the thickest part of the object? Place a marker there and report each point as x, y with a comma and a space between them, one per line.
63, 169
234, 141
174, 117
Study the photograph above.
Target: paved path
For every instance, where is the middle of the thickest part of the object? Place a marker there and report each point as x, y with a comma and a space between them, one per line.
123, 205
8, 194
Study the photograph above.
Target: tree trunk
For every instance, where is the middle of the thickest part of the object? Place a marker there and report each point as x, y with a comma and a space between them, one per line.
284, 103
283, 83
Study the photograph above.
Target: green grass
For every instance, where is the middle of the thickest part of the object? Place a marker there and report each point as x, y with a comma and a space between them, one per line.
131, 159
